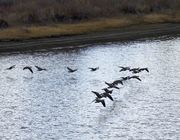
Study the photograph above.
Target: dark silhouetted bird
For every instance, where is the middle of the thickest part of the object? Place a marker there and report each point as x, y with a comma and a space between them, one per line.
94, 69
135, 70
135, 77
107, 90
29, 68
40, 69
125, 78
142, 69
124, 68
97, 94
10, 68
71, 70
111, 85
105, 94
116, 82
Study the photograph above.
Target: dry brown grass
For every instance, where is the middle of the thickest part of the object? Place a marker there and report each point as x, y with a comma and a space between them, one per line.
63, 29
84, 27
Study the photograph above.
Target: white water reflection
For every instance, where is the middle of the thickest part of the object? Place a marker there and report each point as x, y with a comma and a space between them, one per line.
56, 104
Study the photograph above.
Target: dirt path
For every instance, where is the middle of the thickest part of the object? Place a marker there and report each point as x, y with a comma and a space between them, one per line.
121, 34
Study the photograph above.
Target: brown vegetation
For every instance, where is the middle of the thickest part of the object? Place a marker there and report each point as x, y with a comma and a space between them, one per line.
17, 12
46, 18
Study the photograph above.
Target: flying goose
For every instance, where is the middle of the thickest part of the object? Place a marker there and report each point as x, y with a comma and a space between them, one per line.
94, 69
125, 78
105, 94
107, 90
116, 82
111, 85
29, 68
11, 67
124, 68
135, 77
71, 70
142, 69
40, 69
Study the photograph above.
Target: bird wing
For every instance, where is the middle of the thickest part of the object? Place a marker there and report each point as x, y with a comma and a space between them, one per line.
115, 82
38, 68
97, 94
120, 81
109, 96
147, 69
30, 70
115, 87
138, 78
109, 84
120, 67
103, 103
69, 69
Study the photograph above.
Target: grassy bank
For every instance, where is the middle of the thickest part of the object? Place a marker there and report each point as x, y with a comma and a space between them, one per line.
22, 32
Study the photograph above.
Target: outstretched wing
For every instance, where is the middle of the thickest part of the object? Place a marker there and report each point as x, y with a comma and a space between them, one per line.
109, 96
138, 78
69, 69
97, 94
103, 103
30, 70
147, 69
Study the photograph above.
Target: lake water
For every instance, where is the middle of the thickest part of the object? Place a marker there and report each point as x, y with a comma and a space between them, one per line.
56, 105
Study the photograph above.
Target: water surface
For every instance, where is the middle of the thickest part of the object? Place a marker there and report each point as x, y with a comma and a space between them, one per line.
56, 105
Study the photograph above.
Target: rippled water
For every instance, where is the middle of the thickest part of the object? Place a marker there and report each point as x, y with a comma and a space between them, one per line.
57, 104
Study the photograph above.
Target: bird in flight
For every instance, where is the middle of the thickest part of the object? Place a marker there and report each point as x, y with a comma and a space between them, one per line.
105, 94
71, 70
94, 69
28, 68
111, 85
124, 68
40, 69
11, 67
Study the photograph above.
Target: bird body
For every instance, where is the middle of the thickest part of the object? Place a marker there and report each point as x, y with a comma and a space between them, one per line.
107, 90
71, 70
111, 85
94, 69
138, 70
125, 78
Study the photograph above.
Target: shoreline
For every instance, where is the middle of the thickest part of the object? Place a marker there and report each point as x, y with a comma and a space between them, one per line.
132, 32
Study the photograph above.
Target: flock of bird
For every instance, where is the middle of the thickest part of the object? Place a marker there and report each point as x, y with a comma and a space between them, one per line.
70, 70
114, 85
28, 68
107, 92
